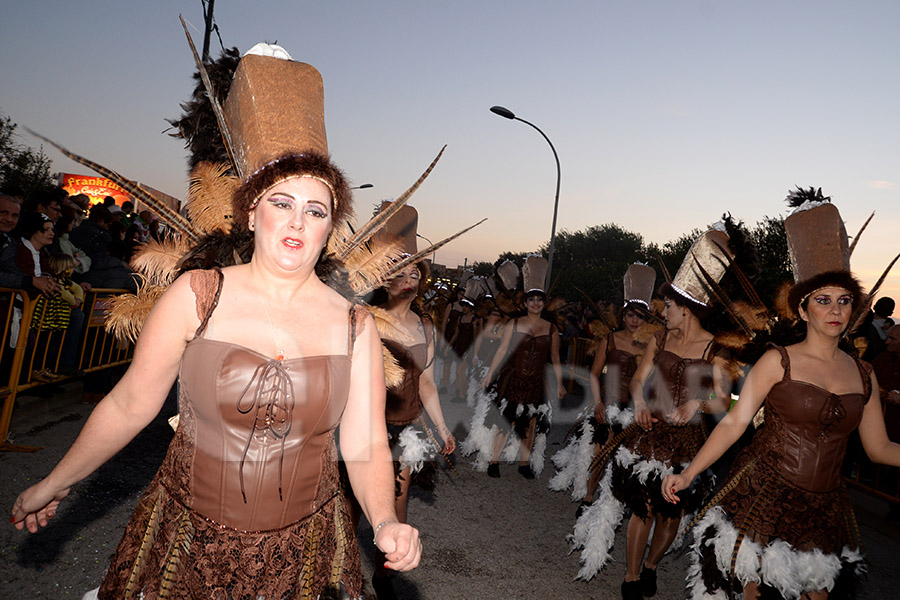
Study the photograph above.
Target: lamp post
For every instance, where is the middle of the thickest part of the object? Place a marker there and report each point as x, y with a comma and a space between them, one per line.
508, 114
430, 243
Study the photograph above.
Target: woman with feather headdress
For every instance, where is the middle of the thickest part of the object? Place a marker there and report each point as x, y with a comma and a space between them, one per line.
409, 336
681, 376
270, 360
783, 526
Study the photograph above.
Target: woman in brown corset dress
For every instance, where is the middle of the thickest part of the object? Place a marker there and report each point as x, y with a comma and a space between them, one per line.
247, 502
517, 387
411, 441
487, 342
679, 377
783, 527
468, 328
616, 360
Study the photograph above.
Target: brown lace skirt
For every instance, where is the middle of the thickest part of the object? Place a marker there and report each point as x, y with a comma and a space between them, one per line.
170, 551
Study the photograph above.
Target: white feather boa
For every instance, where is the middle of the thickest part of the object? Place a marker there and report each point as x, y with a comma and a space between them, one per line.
573, 462
792, 572
480, 440
416, 448
595, 529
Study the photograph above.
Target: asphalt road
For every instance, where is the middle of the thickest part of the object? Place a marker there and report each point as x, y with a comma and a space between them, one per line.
483, 538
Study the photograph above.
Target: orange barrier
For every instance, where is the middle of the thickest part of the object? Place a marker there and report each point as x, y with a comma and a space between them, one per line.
30, 356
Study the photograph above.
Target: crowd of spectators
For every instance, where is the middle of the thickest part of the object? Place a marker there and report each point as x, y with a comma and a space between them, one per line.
57, 246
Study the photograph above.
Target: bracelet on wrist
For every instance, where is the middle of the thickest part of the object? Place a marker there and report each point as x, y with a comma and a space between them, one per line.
378, 528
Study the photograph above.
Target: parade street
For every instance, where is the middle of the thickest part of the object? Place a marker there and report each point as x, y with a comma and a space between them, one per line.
482, 537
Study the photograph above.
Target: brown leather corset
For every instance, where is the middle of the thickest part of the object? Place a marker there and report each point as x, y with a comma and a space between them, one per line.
263, 433
678, 380
810, 427
530, 354
620, 369
402, 403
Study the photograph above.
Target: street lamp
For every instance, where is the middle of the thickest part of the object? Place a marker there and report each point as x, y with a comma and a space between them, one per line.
508, 114
430, 243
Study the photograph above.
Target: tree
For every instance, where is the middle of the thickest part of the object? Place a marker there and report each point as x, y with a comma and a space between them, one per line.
21, 168
771, 245
592, 261
482, 268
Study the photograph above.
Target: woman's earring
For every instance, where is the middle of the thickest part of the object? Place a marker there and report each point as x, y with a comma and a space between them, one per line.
250, 225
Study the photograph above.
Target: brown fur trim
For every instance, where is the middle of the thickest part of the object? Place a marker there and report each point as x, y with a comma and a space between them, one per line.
293, 165
844, 279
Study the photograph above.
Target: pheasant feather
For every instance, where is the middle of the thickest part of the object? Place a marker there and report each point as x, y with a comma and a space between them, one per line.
160, 209
149, 538
376, 222
178, 551
213, 101
423, 253
859, 233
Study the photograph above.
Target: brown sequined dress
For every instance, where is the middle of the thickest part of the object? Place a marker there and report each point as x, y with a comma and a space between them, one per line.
784, 517
247, 502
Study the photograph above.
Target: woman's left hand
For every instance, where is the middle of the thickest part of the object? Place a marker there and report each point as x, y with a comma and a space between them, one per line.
448, 439
683, 414
561, 391
401, 546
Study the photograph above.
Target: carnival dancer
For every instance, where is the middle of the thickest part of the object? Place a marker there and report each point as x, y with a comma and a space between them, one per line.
616, 360
783, 526
467, 330
681, 375
410, 338
270, 360
452, 312
515, 398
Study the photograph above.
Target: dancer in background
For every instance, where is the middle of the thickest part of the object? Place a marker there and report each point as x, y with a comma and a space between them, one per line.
468, 328
516, 384
783, 525
410, 338
616, 360
681, 376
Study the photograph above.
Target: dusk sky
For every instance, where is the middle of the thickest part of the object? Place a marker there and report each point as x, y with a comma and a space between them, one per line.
665, 114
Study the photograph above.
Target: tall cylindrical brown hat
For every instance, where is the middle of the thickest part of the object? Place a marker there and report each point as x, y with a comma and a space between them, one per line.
534, 272
639, 283
817, 240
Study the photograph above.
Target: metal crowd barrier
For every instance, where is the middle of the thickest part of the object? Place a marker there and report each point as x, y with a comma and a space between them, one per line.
30, 353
